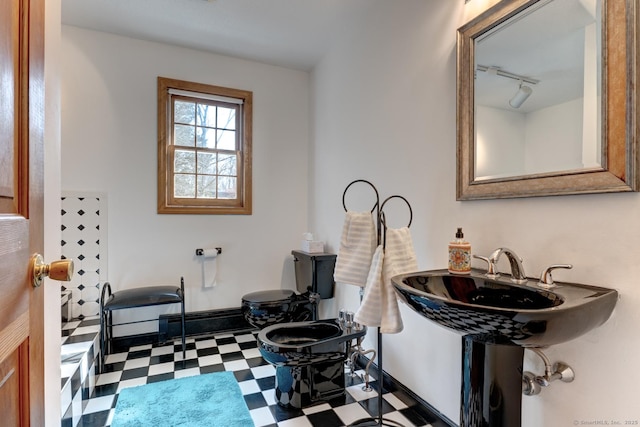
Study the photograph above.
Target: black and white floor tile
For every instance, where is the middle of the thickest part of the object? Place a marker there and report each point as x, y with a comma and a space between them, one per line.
238, 352
79, 346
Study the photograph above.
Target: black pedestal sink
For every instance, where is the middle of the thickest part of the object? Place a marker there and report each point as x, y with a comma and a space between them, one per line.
497, 320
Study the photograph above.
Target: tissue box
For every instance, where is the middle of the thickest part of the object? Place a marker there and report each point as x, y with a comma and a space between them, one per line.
312, 246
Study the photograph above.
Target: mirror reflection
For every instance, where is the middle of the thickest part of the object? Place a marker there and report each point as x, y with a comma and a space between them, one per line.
538, 92
508, 42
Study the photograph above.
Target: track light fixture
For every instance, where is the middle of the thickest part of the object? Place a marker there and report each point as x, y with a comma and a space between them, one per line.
521, 95
523, 92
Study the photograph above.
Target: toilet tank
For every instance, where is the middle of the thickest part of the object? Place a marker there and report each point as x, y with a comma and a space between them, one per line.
315, 272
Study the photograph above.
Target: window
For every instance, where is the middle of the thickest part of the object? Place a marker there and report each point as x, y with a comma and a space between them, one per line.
204, 148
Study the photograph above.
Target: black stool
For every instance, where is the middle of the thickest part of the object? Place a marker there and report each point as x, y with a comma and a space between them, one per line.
133, 298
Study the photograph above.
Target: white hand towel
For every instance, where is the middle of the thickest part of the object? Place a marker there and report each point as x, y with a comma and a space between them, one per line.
399, 258
370, 311
356, 249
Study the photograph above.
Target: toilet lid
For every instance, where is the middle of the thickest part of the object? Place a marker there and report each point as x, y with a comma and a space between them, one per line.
273, 295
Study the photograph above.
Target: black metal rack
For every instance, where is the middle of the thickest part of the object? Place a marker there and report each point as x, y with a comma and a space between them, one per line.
381, 227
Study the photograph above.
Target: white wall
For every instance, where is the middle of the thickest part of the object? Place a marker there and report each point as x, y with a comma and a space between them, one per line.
384, 103
500, 142
558, 130
509, 143
109, 109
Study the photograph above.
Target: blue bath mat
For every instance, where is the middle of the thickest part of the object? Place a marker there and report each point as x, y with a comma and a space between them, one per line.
203, 400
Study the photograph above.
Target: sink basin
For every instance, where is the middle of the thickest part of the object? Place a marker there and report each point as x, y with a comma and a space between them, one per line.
499, 311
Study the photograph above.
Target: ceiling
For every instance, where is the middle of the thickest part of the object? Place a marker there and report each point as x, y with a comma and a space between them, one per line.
288, 33
555, 56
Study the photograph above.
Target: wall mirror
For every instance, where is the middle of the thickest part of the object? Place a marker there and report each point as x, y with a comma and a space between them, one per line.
546, 103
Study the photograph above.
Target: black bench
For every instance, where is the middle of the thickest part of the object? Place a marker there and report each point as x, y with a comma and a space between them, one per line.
133, 298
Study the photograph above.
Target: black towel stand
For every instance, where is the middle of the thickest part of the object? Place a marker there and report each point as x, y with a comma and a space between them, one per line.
381, 228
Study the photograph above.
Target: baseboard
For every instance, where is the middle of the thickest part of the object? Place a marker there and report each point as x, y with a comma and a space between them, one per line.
196, 323
428, 412
119, 344
202, 322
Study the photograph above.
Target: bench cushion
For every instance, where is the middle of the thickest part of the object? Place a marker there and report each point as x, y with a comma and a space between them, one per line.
140, 297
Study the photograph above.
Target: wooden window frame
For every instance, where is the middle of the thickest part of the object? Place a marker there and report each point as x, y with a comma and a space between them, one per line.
167, 204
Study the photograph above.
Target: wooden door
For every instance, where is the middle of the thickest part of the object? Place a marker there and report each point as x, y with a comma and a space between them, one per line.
21, 211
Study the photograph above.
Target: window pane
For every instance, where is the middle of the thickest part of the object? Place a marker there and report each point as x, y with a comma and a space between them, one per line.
226, 140
184, 185
202, 166
184, 135
206, 115
227, 164
207, 163
184, 112
227, 187
206, 187
226, 118
206, 137
184, 161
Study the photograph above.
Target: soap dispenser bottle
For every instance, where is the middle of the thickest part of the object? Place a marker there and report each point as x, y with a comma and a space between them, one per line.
459, 255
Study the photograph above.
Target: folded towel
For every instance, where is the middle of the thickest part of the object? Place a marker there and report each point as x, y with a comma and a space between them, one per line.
379, 305
399, 258
370, 311
356, 249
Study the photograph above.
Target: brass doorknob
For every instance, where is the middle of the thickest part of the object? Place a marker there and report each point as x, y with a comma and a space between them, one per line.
57, 270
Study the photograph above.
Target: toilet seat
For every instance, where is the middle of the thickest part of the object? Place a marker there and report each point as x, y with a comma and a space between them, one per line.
270, 298
264, 308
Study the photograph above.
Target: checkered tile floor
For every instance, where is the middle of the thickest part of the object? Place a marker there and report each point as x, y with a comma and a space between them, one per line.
238, 353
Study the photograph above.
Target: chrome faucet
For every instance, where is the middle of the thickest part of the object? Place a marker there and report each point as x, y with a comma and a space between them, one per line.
517, 270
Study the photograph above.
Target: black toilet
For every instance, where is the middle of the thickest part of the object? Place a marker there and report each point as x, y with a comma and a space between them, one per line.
314, 281
308, 353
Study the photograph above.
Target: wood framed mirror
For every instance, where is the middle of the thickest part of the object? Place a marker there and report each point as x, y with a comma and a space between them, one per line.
506, 48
